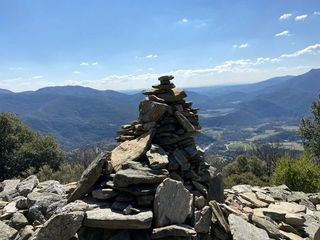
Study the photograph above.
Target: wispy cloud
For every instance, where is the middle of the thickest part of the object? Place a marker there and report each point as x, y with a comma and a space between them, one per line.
312, 49
316, 13
37, 77
76, 72
285, 16
88, 64
152, 56
284, 33
301, 17
243, 45
15, 68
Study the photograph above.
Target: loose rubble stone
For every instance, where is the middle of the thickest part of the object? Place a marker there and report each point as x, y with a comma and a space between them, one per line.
7, 232
185, 123
294, 219
89, 177
27, 185
18, 221
217, 212
242, 230
109, 219
62, 226
103, 194
270, 227
172, 203
131, 150
9, 187
157, 157
173, 231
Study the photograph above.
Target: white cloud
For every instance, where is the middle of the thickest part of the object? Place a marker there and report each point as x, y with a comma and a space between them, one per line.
152, 56
284, 33
84, 64
312, 49
316, 13
301, 17
243, 45
285, 16
37, 77
183, 20
76, 72
94, 63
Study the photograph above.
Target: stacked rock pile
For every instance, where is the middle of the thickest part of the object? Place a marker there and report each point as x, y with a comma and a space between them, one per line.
156, 180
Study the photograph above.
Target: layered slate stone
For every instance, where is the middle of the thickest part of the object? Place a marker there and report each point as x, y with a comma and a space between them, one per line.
110, 219
127, 177
89, 177
172, 203
131, 150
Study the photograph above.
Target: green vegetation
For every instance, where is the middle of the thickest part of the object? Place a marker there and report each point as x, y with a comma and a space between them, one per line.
245, 170
21, 148
65, 174
310, 131
298, 174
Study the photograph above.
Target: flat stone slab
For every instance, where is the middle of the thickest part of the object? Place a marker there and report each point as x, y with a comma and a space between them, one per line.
131, 150
110, 219
242, 230
173, 231
128, 177
286, 207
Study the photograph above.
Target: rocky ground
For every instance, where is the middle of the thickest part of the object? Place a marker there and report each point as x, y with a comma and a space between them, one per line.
155, 185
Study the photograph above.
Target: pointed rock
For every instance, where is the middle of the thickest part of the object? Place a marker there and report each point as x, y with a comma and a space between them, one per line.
89, 177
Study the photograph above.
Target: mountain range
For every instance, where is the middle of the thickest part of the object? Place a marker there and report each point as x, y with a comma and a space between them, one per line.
78, 115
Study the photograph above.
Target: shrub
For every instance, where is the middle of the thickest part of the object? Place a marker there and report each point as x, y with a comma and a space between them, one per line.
65, 174
244, 164
22, 148
299, 174
243, 178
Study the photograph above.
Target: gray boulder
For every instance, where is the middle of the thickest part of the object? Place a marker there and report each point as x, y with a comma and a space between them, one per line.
172, 204
62, 226
27, 185
151, 111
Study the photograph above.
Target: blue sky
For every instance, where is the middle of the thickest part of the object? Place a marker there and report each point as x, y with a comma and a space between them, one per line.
127, 44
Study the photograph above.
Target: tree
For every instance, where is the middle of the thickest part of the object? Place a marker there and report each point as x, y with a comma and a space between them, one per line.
299, 174
21, 148
310, 131
245, 170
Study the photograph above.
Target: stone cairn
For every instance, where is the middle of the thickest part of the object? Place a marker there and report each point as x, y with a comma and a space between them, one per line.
156, 183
